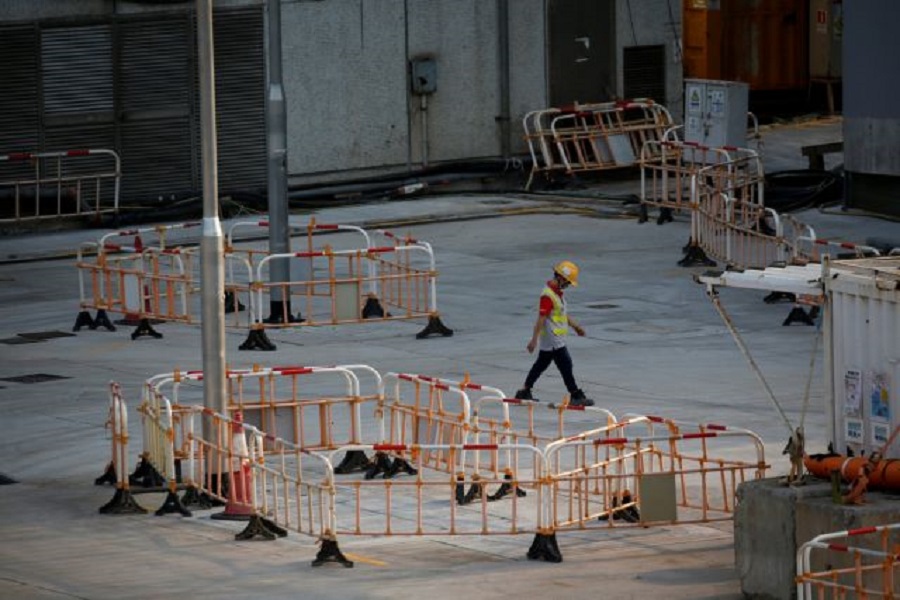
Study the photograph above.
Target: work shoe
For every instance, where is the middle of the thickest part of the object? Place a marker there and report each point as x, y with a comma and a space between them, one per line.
524, 394
578, 399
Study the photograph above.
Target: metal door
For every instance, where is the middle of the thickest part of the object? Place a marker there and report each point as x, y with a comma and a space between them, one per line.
581, 51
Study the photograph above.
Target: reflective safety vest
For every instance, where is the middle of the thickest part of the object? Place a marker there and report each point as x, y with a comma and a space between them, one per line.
558, 318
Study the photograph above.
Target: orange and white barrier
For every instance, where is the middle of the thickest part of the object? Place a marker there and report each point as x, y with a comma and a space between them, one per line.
856, 563
117, 471
810, 249
667, 166
703, 486
49, 185
145, 275
592, 137
472, 460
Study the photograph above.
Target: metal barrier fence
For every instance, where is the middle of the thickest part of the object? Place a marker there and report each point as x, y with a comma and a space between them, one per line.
592, 137
723, 190
858, 563
47, 185
455, 458
152, 274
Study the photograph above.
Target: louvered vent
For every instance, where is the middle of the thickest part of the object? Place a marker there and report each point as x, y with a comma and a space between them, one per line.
644, 72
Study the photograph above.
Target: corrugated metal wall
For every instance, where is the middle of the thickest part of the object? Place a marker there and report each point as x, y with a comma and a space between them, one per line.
130, 83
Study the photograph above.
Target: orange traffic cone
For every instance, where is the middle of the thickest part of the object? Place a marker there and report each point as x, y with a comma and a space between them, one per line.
240, 489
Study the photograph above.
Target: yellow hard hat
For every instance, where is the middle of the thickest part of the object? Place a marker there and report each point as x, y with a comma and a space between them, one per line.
568, 271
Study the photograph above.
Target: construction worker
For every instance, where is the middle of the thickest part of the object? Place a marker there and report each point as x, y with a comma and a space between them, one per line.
549, 333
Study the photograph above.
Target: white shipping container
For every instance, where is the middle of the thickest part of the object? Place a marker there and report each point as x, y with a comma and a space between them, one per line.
862, 353
861, 331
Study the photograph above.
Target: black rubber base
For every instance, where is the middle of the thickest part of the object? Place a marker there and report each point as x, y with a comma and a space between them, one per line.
354, 460
544, 547
145, 329
373, 309
260, 527
146, 476
434, 327
695, 256
84, 320
122, 503
329, 552
797, 314
109, 475
172, 504
257, 340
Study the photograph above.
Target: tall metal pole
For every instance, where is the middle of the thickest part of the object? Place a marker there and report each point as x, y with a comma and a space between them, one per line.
503, 25
276, 141
212, 284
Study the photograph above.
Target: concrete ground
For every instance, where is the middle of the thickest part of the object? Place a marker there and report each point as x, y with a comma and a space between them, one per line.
654, 345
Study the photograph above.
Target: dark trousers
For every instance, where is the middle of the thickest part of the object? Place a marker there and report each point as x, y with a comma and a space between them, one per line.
563, 361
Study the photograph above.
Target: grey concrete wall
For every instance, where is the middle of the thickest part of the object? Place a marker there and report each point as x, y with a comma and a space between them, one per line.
348, 98
462, 36
349, 108
528, 65
345, 84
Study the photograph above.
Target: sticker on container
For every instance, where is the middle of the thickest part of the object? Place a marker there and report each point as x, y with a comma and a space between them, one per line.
717, 103
879, 434
694, 100
852, 393
879, 397
853, 431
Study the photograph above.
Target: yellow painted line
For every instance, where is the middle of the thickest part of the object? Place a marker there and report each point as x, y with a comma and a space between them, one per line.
363, 559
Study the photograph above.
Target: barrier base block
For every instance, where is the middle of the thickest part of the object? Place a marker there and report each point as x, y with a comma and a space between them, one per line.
109, 475
400, 465
665, 216
381, 464
257, 340
354, 460
476, 491
260, 527
695, 256
122, 503
797, 314
145, 328
434, 327
372, 309
84, 319
544, 547
172, 504
201, 501
643, 214
146, 476
329, 552
232, 304
102, 320
775, 297
507, 488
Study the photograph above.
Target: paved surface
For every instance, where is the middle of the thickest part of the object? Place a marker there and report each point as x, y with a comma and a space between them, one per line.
654, 344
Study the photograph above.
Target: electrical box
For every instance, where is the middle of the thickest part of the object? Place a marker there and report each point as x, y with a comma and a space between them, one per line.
715, 112
423, 76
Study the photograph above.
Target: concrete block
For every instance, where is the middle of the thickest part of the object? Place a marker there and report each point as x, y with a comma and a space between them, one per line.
773, 520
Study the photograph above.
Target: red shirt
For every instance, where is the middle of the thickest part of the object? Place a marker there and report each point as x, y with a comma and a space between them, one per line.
546, 305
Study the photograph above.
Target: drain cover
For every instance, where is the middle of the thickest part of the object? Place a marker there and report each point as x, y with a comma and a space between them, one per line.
37, 336
33, 378
14, 341
602, 306
45, 335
